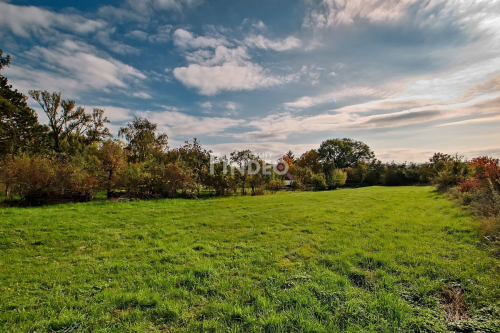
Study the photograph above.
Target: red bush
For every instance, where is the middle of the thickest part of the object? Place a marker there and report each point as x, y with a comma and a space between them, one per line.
470, 185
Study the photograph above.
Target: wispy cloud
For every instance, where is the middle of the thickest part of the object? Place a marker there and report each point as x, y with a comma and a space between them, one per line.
262, 42
28, 21
72, 67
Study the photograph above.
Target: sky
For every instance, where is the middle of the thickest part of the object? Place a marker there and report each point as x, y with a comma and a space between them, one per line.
407, 77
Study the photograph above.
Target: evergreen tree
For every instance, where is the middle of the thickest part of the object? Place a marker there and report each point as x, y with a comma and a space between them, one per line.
19, 127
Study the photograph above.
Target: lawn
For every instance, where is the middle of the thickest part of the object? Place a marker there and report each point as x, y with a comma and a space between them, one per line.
373, 259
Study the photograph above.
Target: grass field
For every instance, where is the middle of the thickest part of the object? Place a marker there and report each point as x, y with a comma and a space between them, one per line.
373, 259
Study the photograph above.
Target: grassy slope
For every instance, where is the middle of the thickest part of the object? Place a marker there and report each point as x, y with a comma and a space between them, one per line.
372, 259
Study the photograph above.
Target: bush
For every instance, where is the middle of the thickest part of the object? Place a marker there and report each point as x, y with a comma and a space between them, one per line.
357, 173
318, 181
338, 178
297, 185
38, 178
30, 177
375, 171
470, 185
276, 185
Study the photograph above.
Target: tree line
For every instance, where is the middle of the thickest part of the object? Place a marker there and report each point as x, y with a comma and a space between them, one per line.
74, 157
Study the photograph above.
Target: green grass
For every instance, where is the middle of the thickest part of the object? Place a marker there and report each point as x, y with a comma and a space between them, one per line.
372, 259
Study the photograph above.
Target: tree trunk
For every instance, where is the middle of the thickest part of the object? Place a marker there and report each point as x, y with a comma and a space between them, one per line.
109, 184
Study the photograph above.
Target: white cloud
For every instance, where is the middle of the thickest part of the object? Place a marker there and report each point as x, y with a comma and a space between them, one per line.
224, 69
162, 35
400, 155
329, 13
232, 106
259, 25
104, 36
185, 39
142, 94
177, 124
206, 105
262, 42
137, 34
150, 6
226, 108
305, 102
221, 55
26, 21
229, 76
71, 67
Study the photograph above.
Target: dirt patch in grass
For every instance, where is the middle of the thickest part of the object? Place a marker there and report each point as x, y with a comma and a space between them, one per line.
453, 300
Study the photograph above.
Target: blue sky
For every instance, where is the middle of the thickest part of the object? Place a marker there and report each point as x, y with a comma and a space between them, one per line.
409, 77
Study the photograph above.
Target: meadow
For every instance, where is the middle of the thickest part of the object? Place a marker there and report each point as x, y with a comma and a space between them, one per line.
375, 259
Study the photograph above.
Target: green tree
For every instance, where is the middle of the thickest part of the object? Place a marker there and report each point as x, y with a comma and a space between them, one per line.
62, 123
375, 170
143, 140
338, 178
344, 153
243, 159
19, 127
195, 158
318, 181
95, 129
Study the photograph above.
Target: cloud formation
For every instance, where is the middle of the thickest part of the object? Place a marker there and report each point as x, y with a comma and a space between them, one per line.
72, 67
25, 21
262, 42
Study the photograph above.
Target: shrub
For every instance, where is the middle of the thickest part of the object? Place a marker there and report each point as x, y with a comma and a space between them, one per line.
338, 178
393, 176
318, 181
38, 178
454, 172
276, 185
297, 185
30, 177
375, 171
357, 173
470, 185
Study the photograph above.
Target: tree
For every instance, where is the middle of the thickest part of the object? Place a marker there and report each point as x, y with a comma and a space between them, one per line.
374, 172
195, 158
19, 127
318, 181
143, 141
4, 61
112, 160
95, 129
218, 178
243, 159
301, 175
337, 178
61, 123
344, 153
310, 160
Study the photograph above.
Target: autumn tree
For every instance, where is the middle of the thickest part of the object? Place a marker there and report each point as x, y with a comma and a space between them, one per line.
311, 160
112, 160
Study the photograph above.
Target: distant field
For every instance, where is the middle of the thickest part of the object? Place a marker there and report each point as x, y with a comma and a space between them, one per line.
373, 259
